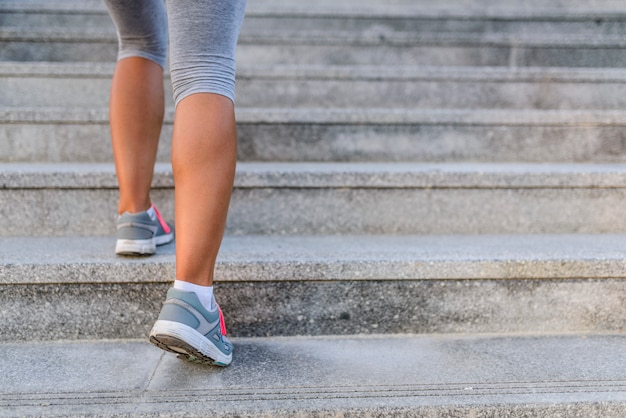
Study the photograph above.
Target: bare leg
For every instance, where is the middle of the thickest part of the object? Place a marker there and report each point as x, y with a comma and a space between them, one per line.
136, 115
204, 155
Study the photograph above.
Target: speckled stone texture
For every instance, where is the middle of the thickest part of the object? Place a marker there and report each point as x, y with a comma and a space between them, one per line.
399, 87
379, 143
423, 211
324, 308
66, 288
285, 135
423, 307
466, 39
338, 198
334, 49
431, 142
381, 376
79, 311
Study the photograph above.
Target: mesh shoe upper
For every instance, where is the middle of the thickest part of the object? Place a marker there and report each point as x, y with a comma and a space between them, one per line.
136, 226
185, 308
140, 233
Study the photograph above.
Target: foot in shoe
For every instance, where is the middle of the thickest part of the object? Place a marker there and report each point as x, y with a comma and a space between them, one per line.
140, 233
187, 328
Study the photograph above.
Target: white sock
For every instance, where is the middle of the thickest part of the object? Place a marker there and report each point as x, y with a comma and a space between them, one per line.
204, 293
152, 213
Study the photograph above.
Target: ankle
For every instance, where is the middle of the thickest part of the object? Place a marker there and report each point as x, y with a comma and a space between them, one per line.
133, 207
204, 293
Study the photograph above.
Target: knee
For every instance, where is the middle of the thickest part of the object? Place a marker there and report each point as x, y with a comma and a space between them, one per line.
141, 29
216, 75
152, 47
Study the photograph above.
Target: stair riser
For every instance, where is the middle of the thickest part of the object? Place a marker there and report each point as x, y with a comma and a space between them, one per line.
90, 142
518, 25
436, 54
286, 53
437, 142
87, 21
293, 93
488, 260
437, 211
100, 51
58, 212
66, 212
65, 142
255, 309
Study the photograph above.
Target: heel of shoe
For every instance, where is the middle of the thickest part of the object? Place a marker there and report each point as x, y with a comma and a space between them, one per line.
135, 247
188, 343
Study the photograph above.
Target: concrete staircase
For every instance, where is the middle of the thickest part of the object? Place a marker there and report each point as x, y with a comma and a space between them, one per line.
427, 217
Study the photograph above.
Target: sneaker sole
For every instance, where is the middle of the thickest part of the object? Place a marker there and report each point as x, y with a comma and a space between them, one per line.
135, 247
141, 247
187, 343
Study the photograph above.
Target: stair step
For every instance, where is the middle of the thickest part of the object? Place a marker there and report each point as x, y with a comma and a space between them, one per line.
76, 85
446, 174
423, 33
338, 198
345, 47
76, 288
477, 9
342, 134
416, 16
509, 375
266, 258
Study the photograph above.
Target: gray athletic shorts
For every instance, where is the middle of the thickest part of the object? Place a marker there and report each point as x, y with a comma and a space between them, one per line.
202, 39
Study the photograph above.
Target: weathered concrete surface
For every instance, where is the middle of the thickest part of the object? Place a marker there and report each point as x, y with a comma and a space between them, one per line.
480, 33
88, 311
407, 375
338, 198
428, 135
87, 85
261, 258
75, 288
312, 286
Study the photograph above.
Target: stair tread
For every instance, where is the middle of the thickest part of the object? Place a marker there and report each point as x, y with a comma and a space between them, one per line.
406, 375
532, 288
41, 260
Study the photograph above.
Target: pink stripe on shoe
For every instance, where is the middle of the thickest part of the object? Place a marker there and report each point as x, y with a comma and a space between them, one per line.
222, 323
164, 225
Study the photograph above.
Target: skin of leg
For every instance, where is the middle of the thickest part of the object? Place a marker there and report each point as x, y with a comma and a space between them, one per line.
136, 116
204, 157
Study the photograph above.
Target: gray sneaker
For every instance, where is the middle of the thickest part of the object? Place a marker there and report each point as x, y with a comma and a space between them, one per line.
139, 233
186, 328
